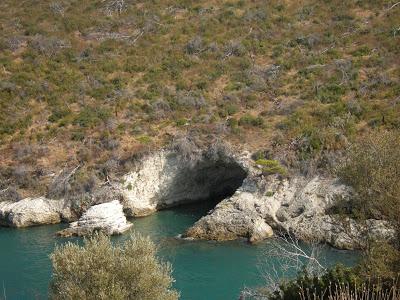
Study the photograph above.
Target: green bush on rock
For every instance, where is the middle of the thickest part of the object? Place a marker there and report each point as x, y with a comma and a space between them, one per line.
270, 167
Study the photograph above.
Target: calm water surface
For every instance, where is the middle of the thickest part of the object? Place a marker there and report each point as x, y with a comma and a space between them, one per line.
203, 270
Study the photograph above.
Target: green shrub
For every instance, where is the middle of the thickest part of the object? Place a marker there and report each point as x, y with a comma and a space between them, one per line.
90, 117
270, 167
337, 283
100, 270
78, 136
251, 120
144, 139
372, 168
291, 290
362, 51
58, 114
330, 93
181, 122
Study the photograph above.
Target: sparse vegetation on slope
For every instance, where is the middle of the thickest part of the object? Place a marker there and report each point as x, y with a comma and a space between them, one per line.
93, 82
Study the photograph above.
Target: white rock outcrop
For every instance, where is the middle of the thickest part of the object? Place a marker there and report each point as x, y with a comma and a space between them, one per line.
164, 180
106, 217
33, 211
298, 206
252, 206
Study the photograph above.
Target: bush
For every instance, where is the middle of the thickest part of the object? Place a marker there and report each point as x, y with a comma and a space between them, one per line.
9, 194
330, 93
270, 167
338, 282
290, 290
58, 114
195, 45
100, 270
372, 168
248, 119
91, 117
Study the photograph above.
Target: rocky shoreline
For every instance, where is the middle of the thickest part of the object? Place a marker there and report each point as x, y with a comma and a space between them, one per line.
252, 206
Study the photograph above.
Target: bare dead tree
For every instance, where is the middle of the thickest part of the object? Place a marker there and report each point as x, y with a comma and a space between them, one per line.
115, 6
293, 256
286, 258
393, 6
60, 185
57, 8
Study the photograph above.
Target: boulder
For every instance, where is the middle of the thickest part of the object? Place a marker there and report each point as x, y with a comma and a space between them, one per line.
106, 217
33, 211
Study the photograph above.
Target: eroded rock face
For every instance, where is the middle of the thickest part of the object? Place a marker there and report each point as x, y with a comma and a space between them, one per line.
237, 216
297, 206
251, 207
165, 180
106, 217
33, 211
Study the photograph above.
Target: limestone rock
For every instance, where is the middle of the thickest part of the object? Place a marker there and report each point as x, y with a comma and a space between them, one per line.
164, 179
106, 217
33, 211
299, 206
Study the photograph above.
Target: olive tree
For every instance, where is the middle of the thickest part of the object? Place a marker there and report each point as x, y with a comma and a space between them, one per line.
101, 270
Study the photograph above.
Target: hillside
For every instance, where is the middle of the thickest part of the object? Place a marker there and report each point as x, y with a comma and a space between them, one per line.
93, 83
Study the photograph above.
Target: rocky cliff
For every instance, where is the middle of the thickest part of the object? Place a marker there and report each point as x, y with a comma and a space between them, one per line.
251, 205
33, 211
297, 206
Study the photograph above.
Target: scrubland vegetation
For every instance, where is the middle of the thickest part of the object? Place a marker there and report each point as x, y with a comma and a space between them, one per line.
86, 86
92, 83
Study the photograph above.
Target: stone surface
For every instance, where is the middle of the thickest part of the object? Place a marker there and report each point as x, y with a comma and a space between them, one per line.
33, 211
299, 206
106, 217
164, 179
252, 206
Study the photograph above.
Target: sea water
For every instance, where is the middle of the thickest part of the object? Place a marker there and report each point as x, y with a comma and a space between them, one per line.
203, 270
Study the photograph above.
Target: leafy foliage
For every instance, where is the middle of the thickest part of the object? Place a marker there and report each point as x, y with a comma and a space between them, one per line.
372, 169
338, 282
269, 167
100, 270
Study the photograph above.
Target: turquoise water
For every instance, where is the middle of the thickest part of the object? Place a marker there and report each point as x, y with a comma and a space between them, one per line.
202, 270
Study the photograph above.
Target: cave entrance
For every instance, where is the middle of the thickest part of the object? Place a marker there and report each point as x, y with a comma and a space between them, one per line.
208, 181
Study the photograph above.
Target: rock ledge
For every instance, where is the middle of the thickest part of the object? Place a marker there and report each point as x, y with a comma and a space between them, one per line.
106, 217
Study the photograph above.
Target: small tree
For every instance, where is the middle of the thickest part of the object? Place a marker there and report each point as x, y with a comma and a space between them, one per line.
100, 270
372, 168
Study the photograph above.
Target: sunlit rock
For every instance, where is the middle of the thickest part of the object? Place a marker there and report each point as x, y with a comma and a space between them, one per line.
106, 217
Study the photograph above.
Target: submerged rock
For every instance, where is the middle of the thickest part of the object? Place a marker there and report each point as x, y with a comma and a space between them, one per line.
106, 217
33, 211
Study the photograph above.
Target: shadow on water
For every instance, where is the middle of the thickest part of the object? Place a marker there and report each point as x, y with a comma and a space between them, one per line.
202, 269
